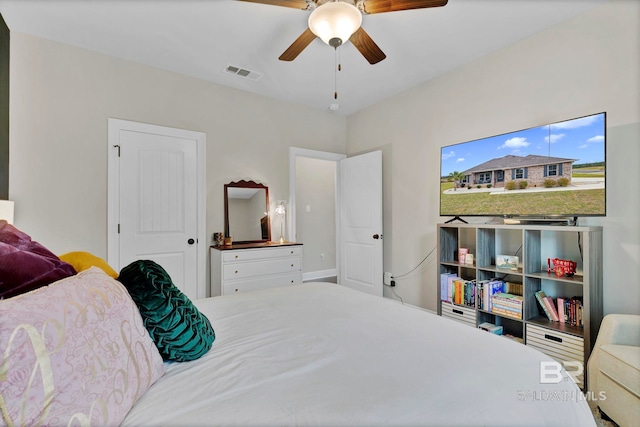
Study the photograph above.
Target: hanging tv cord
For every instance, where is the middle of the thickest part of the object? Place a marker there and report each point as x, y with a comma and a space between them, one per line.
397, 296
580, 246
417, 266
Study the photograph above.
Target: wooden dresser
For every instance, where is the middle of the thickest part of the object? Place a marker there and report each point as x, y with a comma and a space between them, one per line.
253, 266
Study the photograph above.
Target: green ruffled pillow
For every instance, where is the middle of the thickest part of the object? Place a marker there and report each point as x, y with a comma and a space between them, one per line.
178, 329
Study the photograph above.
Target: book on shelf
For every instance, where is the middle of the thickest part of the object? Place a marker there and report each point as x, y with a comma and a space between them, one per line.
552, 308
580, 308
470, 293
507, 305
450, 286
457, 290
480, 285
463, 292
575, 312
502, 307
578, 320
508, 299
444, 285
563, 310
513, 288
560, 302
490, 327
506, 313
540, 295
491, 288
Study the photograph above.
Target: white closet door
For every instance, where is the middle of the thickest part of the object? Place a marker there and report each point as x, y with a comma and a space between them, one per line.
158, 203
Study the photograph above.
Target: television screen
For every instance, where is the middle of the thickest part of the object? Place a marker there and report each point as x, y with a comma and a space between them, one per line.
555, 170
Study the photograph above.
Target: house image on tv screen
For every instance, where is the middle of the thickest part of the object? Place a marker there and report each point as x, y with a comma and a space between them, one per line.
533, 169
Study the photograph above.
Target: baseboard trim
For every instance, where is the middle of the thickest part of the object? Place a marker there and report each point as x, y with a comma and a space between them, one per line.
321, 274
412, 306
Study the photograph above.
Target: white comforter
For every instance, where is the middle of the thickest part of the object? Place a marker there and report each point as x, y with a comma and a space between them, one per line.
324, 355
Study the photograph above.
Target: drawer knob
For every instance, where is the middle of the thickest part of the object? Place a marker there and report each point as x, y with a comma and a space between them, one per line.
291, 251
236, 271
291, 265
236, 290
236, 256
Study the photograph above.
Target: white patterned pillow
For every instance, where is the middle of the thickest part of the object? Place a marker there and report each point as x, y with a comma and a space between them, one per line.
74, 353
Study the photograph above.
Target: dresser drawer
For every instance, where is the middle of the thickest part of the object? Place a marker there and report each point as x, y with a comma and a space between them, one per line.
241, 270
257, 254
466, 315
261, 283
560, 346
253, 268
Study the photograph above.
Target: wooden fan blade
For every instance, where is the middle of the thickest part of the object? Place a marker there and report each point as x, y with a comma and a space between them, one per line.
367, 47
298, 46
380, 6
296, 4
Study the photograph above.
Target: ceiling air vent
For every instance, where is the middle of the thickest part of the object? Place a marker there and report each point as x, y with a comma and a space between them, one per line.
241, 72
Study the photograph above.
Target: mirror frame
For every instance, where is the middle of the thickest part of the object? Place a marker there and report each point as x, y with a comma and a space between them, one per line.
246, 184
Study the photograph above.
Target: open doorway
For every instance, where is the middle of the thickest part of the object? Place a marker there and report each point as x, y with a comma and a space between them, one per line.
354, 229
313, 219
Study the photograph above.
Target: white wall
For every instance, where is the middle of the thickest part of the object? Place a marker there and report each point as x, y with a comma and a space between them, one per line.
586, 65
315, 188
61, 98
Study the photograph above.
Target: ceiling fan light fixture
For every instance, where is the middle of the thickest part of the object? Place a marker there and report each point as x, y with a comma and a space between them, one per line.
335, 22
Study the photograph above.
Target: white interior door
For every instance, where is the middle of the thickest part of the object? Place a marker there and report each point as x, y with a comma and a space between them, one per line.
360, 201
158, 203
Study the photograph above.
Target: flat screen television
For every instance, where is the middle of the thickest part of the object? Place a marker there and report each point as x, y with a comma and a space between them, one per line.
550, 171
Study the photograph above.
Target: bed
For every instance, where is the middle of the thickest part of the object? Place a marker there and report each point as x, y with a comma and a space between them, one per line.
81, 351
325, 355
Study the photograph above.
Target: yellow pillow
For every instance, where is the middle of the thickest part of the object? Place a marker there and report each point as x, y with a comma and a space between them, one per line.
84, 260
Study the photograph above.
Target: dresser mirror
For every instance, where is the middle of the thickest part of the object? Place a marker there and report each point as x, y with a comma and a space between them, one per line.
246, 212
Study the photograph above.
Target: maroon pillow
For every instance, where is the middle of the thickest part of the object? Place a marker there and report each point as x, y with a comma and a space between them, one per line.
26, 265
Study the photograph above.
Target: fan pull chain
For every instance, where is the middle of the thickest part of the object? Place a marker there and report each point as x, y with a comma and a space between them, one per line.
335, 72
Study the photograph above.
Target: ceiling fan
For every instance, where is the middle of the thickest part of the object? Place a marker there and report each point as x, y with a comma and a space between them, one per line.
338, 21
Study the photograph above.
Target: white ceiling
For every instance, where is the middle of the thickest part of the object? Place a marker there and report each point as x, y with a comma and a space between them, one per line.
200, 38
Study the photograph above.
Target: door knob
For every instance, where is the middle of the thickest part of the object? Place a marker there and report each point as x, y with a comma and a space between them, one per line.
191, 241
376, 236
